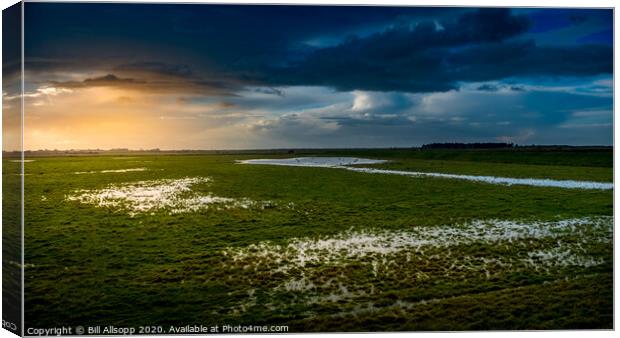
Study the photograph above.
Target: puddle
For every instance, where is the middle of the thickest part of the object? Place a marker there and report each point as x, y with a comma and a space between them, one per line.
173, 195
569, 184
344, 162
356, 245
318, 271
110, 171
326, 162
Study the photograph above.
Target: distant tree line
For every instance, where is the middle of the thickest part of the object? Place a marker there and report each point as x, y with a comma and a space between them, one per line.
456, 145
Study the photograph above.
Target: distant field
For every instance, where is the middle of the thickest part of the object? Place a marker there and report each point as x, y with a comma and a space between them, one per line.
200, 239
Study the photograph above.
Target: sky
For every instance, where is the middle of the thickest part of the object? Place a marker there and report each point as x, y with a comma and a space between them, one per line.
180, 76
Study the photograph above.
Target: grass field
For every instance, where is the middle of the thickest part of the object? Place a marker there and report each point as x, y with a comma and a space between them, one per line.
200, 239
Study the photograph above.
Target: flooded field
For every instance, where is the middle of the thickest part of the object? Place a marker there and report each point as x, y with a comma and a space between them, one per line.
330, 242
344, 162
387, 254
174, 196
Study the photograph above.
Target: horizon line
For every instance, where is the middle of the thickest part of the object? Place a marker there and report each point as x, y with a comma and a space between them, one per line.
514, 145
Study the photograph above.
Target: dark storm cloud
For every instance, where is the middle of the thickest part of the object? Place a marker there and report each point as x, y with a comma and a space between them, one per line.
226, 36
157, 68
405, 58
151, 75
489, 24
109, 80
173, 77
525, 58
154, 85
480, 46
417, 50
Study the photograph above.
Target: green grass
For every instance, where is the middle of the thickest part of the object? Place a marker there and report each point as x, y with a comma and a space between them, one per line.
11, 243
91, 265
